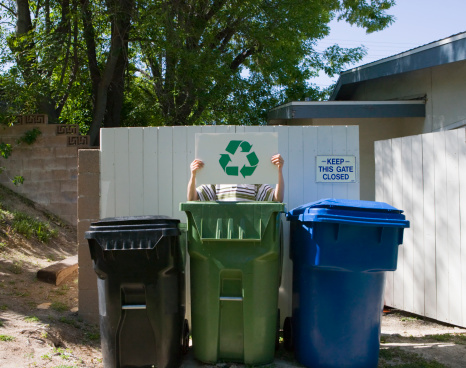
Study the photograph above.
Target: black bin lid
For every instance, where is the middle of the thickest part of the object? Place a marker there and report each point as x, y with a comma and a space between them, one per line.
132, 232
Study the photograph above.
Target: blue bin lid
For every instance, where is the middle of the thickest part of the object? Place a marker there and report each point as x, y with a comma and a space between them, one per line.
349, 211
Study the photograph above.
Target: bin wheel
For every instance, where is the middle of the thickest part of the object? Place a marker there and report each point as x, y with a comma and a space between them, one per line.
277, 334
185, 337
288, 334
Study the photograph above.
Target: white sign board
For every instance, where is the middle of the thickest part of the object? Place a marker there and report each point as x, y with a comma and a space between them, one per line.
240, 158
335, 169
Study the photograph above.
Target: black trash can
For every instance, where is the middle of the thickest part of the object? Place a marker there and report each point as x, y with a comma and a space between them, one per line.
141, 287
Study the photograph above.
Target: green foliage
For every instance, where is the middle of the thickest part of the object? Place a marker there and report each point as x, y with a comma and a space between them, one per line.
18, 180
30, 227
182, 63
5, 150
93, 336
31, 319
30, 136
6, 338
59, 306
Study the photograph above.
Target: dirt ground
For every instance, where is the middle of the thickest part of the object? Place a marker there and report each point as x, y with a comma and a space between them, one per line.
40, 324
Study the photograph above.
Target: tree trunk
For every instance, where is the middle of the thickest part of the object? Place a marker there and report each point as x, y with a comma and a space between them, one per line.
109, 93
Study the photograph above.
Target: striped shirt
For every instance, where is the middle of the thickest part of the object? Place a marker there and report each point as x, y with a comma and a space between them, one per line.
235, 192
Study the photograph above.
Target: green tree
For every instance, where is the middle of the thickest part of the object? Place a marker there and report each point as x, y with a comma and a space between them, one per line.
42, 39
232, 60
107, 63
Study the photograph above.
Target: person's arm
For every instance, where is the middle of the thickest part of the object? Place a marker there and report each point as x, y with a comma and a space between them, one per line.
278, 161
192, 193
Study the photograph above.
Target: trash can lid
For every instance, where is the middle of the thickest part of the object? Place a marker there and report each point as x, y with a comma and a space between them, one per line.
135, 222
132, 232
349, 211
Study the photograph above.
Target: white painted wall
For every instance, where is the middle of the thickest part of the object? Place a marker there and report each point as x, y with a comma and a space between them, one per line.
425, 176
443, 86
145, 171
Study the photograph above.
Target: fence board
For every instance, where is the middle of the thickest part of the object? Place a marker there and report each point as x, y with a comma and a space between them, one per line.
295, 157
453, 226
324, 147
352, 149
397, 201
339, 147
136, 171
310, 136
107, 173
430, 271
407, 195
462, 186
150, 172
441, 223
429, 183
387, 190
180, 177
165, 166
417, 227
122, 187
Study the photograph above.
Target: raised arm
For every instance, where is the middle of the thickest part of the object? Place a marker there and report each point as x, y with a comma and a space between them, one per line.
278, 161
192, 193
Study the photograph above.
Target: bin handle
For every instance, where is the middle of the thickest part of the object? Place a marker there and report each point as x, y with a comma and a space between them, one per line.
133, 306
232, 298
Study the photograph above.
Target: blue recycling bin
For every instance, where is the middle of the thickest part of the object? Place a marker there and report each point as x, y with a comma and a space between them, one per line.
340, 250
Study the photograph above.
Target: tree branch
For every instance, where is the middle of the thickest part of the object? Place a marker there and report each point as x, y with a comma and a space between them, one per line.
241, 58
9, 9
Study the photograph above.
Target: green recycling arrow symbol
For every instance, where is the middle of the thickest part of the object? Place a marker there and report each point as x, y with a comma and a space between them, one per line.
232, 148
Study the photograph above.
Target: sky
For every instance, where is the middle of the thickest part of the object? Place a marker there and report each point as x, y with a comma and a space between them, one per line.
417, 23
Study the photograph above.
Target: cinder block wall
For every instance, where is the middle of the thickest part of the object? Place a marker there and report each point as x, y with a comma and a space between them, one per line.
88, 211
49, 165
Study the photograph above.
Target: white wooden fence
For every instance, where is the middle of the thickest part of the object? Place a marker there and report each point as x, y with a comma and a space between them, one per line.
145, 171
425, 175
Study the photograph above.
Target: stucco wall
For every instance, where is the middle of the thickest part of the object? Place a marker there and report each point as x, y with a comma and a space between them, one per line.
443, 87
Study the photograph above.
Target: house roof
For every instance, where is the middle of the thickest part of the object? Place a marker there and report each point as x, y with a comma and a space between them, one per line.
447, 50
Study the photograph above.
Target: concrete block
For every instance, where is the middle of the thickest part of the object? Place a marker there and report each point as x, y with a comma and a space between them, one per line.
34, 120
89, 160
63, 151
88, 305
70, 219
82, 227
69, 186
64, 208
40, 175
64, 174
89, 184
88, 208
87, 276
50, 140
43, 152
44, 186
84, 255
66, 129
57, 163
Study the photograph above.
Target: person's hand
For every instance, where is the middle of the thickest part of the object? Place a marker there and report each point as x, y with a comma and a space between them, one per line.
196, 165
278, 160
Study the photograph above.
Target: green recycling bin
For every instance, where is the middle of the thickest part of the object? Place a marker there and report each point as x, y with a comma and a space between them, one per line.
235, 255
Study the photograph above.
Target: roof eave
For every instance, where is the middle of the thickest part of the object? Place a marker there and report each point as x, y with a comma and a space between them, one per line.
437, 53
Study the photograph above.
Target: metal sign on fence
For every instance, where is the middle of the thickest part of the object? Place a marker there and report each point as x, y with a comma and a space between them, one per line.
236, 158
336, 169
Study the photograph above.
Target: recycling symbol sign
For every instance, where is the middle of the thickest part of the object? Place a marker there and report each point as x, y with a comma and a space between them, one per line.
236, 147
